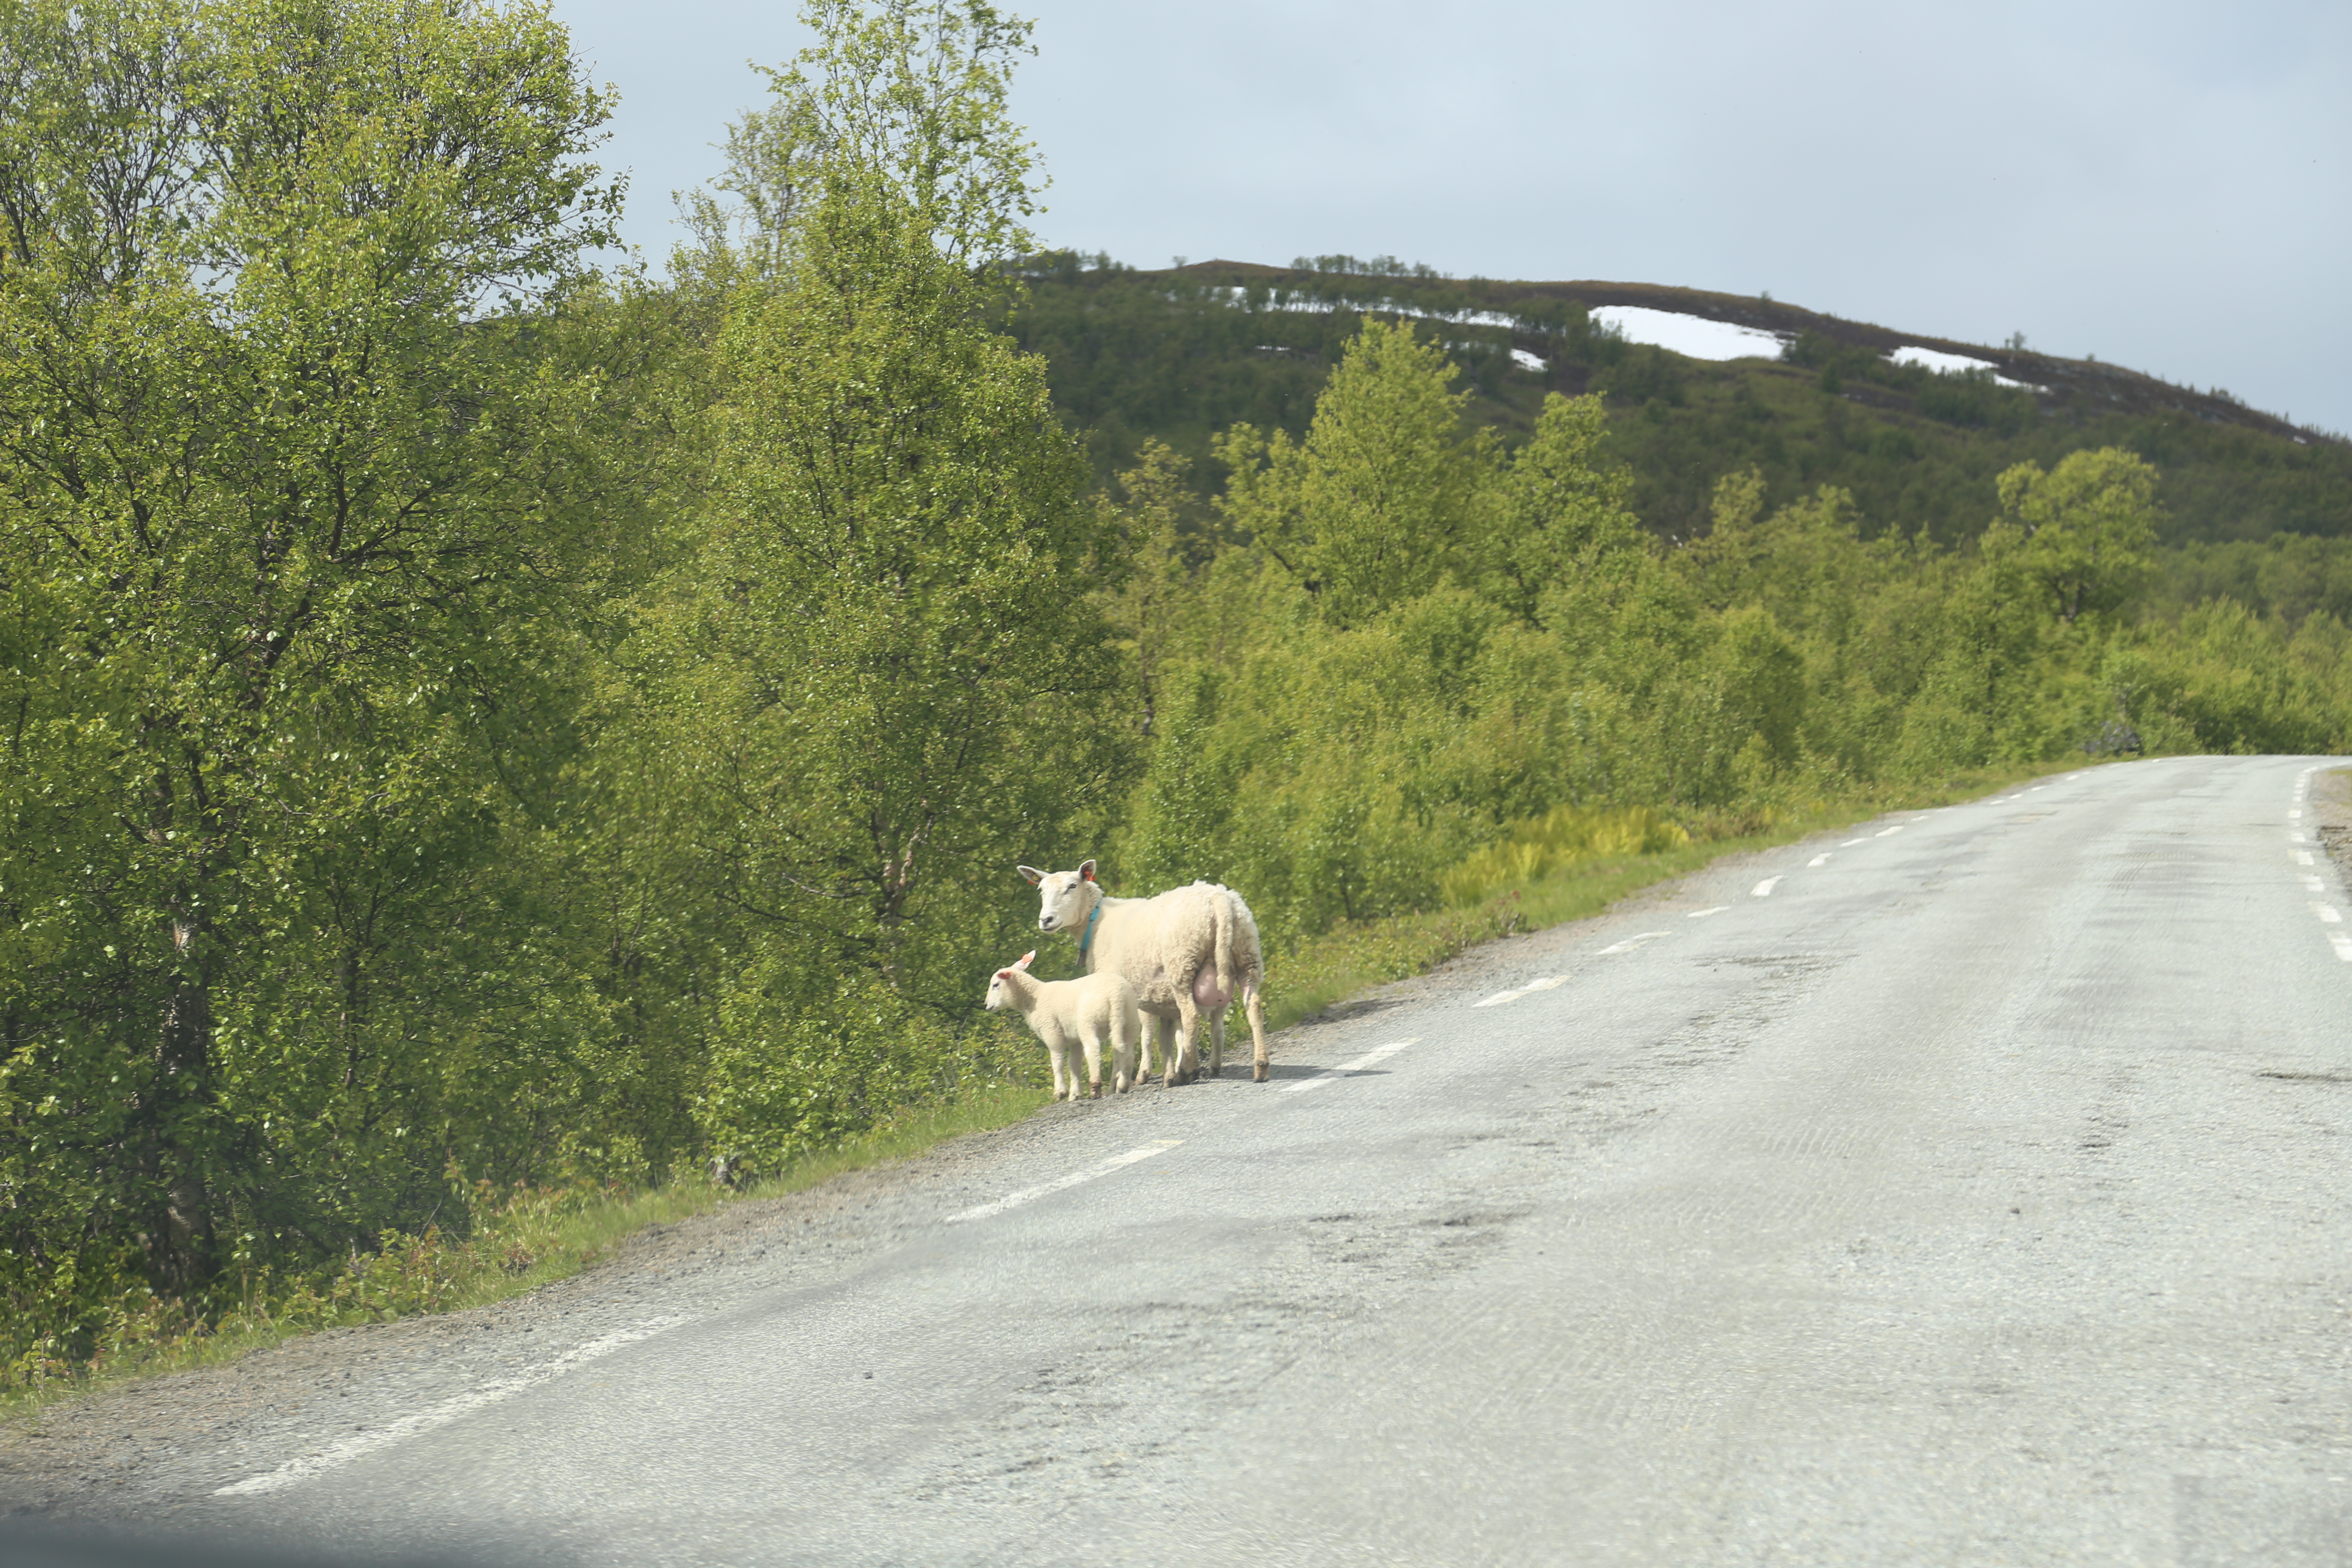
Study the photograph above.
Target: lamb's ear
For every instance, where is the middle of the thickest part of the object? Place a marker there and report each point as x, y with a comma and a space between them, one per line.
1086, 870
1030, 874
1026, 960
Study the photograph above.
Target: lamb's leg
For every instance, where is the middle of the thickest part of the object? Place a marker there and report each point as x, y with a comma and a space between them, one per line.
1065, 1080
1093, 1066
1259, 1069
1125, 1044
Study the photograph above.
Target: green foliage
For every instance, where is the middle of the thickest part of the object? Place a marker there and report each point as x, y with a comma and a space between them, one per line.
1372, 508
1550, 844
2080, 534
297, 536
476, 721
868, 690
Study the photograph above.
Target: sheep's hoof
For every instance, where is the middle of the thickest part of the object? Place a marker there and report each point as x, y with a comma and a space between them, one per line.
1097, 1094
1260, 1073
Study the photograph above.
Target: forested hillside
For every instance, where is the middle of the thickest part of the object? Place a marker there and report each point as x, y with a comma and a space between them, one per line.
481, 727
1178, 355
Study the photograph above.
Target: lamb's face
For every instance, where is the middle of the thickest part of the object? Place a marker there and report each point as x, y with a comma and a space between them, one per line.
1060, 902
1000, 994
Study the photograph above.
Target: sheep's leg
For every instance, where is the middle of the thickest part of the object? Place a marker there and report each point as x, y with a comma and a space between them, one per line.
1259, 1069
1158, 1054
1186, 1064
1065, 1080
1126, 1044
1093, 1066
1217, 1043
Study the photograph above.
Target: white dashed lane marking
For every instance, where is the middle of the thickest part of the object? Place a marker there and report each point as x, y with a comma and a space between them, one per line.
1372, 1057
1821, 860
1763, 890
1702, 914
2327, 912
295, 1471
1515, 992
1630, 942
1062, 1184
1887, 831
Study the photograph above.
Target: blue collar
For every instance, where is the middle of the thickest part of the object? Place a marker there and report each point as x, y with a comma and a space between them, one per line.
1087, 940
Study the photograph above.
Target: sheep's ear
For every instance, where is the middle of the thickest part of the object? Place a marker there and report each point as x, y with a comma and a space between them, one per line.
1030, 874
1086, 870
1025, 959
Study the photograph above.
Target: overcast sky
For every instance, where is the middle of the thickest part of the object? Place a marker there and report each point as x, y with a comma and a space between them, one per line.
2167, 186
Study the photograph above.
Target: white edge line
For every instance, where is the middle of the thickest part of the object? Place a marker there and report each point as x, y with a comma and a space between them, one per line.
295, 1471
1378, 1054
1060, 1183
1763, 890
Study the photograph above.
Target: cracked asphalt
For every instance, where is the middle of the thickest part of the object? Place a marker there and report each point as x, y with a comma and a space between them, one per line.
1969, 1187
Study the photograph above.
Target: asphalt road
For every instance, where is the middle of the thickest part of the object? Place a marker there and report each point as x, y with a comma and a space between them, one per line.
1971, 1191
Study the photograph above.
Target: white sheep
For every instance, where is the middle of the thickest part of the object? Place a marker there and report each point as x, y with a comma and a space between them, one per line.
1183, 952
1214, 996
1087, 1011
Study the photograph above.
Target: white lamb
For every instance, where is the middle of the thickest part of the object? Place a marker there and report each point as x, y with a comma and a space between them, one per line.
1087, 1011
1186, 952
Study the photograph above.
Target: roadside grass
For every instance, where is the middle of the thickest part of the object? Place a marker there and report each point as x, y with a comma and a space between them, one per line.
521, 1240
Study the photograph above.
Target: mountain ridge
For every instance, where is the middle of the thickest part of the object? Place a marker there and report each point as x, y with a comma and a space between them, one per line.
1177, 354
2117, 387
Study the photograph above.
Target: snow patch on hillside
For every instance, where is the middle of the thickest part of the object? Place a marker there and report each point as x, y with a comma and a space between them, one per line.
1694, 337
1955, 364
